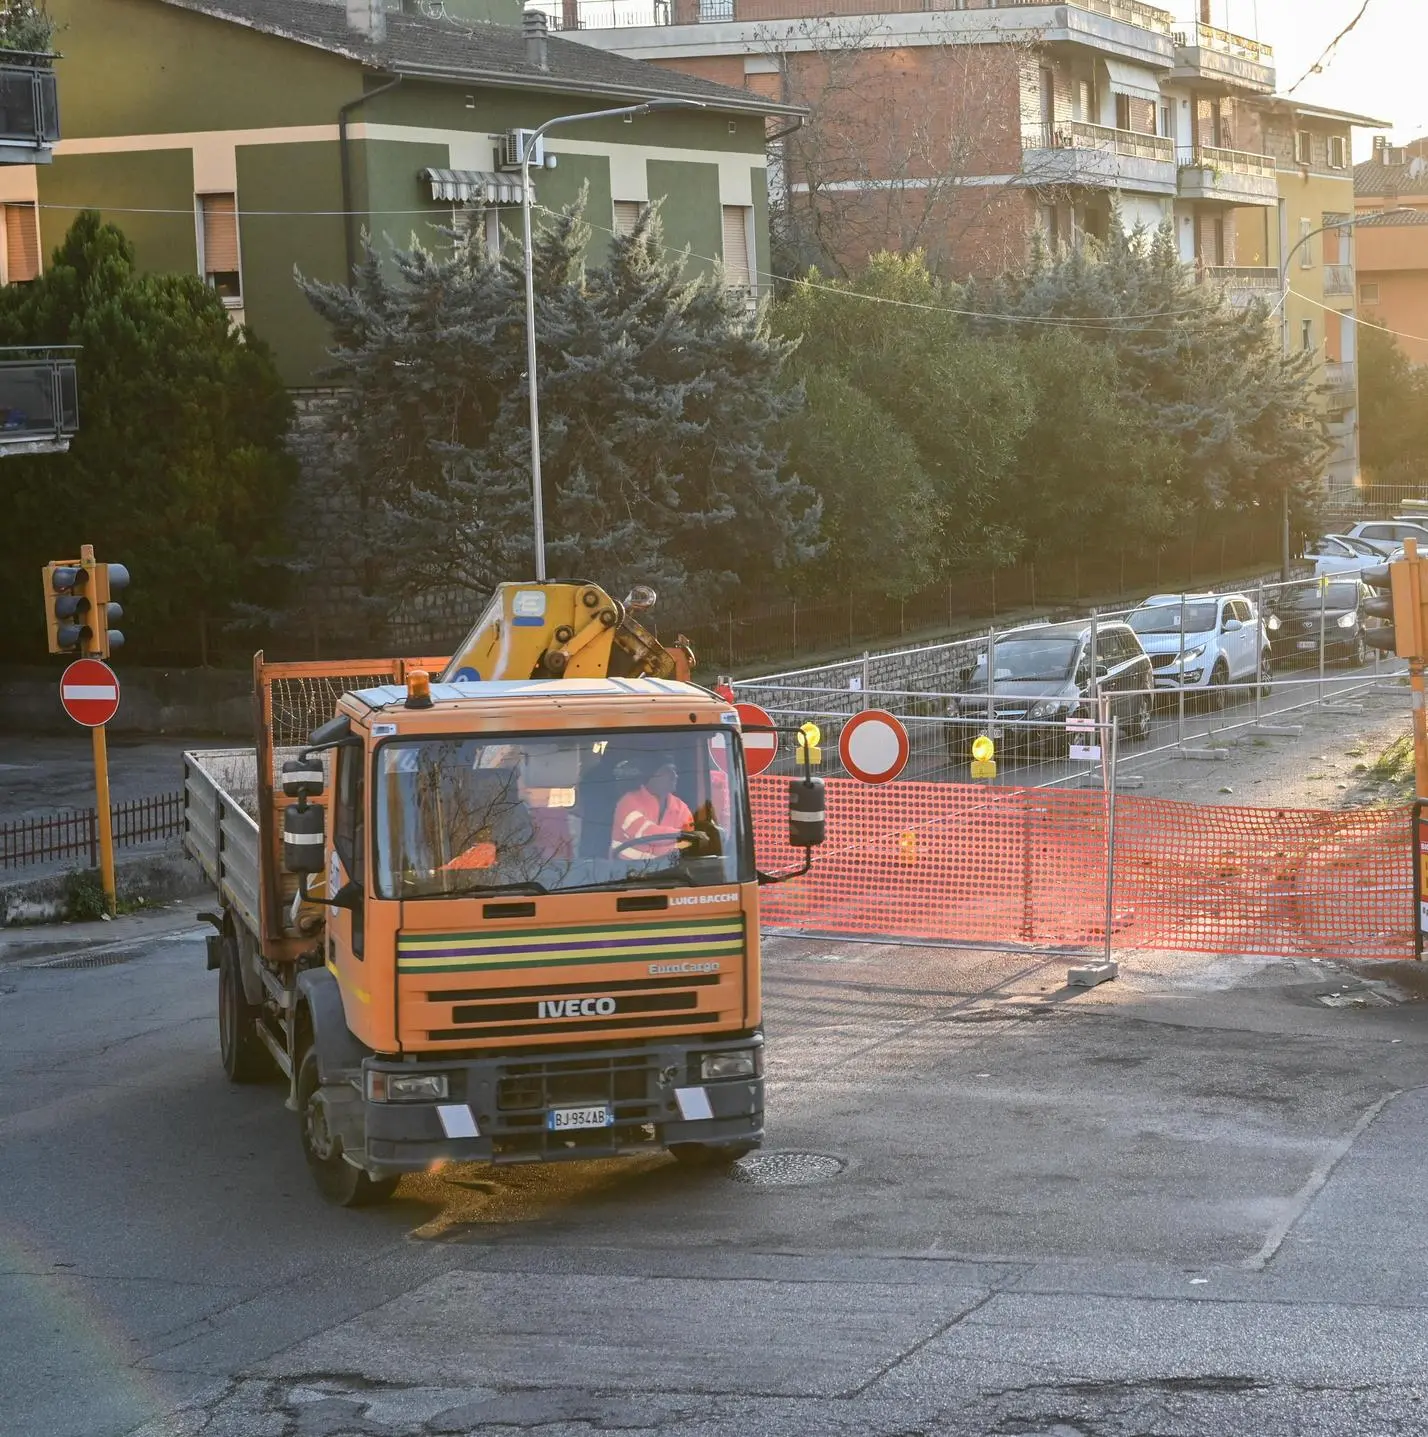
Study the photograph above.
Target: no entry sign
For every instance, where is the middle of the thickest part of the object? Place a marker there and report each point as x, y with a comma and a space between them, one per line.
873, 746
760, 740
89, 691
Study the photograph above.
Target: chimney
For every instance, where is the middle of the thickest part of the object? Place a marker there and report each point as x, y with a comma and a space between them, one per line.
536, 27
369, 18
1205, 13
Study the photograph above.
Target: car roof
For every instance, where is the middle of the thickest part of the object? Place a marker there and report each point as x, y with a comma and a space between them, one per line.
1157, 601
1066, 629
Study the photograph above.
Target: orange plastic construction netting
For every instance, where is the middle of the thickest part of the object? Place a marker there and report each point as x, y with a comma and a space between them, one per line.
966, 863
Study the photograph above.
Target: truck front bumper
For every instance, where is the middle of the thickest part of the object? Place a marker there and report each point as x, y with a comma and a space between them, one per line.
497, 1109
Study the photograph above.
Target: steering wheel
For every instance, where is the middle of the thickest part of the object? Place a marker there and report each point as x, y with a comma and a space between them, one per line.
691, 835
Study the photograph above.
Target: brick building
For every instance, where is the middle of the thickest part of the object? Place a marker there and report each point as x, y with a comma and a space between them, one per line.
960, 129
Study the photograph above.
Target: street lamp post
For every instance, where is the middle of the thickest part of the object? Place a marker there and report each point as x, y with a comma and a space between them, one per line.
527, 150
1347, 223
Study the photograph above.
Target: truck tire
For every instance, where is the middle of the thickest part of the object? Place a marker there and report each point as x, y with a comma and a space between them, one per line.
336, 1178
245, 1059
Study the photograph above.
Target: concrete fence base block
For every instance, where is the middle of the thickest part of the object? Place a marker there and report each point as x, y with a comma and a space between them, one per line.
1344, 708
1130, 780
1208, 755
1279, 730
1089, 974
1401, 689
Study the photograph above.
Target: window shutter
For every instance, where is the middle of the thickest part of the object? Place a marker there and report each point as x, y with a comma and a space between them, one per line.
736, 247
627, 215
22, 240
220, 234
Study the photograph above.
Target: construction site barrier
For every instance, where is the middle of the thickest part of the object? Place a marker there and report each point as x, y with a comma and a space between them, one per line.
965, 863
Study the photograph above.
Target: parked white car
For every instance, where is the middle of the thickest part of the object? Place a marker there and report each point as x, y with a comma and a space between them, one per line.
1342, 554
1388, 534
1203, 642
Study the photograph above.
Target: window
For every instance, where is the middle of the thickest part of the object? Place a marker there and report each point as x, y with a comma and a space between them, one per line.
627, 215
349, 830
22, 244
1303, 146
1167, 119
1338, 153
1306, 246
1123, 112
1368, 292
219, 231
1306, 334
737, 270
565, 811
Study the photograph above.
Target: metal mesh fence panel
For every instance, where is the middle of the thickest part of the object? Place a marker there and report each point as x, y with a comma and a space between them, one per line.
963, 863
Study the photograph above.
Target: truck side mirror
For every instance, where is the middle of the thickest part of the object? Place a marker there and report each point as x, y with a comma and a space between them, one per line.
304, 838
807, 826
304, 777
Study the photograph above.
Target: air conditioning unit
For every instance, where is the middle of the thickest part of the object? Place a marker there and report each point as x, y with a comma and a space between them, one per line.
513, 150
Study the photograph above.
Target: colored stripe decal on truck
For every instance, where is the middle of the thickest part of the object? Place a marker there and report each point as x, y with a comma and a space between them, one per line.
690, 942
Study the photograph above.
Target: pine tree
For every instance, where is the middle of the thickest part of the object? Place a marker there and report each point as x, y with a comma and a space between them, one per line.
660, 412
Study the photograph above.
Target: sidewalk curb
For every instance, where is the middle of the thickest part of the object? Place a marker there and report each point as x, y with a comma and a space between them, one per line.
157, 878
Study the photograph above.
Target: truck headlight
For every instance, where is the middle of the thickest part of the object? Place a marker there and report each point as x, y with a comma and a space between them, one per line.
729, 1065
1347, 621
406, 1087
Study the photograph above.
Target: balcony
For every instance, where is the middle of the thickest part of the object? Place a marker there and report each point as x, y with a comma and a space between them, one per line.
39, 400
1339, 279
1073, 152
1206, 56
29, 108
1342, 383
1227, 177
1126, 28
1244, 283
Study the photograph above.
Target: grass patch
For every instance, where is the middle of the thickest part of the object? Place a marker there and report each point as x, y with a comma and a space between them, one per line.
1395, 763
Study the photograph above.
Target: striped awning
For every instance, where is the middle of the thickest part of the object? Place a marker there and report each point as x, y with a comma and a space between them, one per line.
489, 187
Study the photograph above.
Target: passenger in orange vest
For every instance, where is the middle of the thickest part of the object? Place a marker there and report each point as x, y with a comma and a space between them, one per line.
653, 808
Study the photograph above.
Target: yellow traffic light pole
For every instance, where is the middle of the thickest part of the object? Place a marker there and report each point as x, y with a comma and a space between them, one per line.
104, 817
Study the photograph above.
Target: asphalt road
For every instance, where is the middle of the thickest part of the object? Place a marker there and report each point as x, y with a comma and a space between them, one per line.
1189, 1202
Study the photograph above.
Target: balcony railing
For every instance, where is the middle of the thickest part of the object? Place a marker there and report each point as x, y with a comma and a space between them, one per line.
1244, 282
39, 399
1338, 279
29, 108
1208, 172
1079, 135
1206, 37
623, 14
1341, 379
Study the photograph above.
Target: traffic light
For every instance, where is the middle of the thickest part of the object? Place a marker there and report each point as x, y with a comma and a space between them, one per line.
109, 579
67, 607
79, 607
1394, 601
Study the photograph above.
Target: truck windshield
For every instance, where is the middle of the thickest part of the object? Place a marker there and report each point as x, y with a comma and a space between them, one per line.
558, 812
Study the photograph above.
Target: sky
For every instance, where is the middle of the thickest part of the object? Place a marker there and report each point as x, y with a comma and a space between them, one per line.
1380, 67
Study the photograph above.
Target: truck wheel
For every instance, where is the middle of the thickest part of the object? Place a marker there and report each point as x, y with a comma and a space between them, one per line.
338, 1181
245, 1059
710, 1155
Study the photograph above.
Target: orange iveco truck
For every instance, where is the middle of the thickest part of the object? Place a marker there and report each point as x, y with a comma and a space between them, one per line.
509, 915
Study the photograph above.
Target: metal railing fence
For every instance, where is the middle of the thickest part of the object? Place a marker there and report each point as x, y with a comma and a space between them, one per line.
74, 833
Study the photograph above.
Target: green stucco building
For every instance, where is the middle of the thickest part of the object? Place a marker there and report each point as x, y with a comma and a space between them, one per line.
239, 139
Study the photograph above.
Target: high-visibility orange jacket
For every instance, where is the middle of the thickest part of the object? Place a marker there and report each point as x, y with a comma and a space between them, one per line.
638, 814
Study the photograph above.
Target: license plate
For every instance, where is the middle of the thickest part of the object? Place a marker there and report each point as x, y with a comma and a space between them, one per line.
564, 1120
1307, 644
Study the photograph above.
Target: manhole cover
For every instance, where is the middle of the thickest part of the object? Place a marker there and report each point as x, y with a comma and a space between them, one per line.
86, 960
786, 1170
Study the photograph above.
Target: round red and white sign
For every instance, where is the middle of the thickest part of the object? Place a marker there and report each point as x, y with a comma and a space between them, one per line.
760, 739
873, 746
89, 691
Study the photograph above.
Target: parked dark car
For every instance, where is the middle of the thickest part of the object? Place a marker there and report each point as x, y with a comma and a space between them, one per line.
1043, 677
1333, 608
